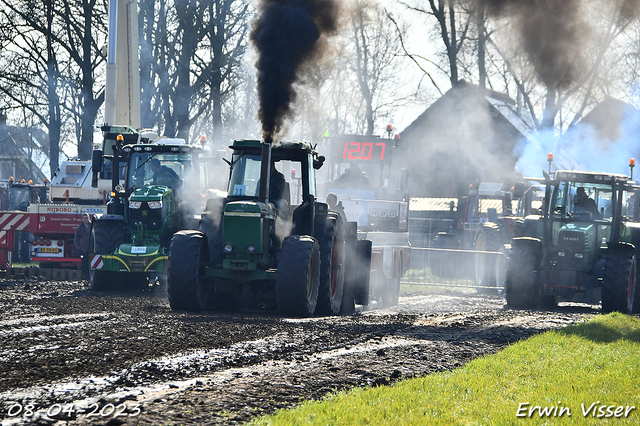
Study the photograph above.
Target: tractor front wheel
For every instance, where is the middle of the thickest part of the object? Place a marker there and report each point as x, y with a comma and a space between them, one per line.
619, 278
298, 279
188, 250
522, 289
106, 237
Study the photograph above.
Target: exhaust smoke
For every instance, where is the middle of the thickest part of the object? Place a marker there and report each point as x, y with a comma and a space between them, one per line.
551, 32
289, 36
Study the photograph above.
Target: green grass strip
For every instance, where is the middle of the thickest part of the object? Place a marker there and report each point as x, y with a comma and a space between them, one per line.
592, 367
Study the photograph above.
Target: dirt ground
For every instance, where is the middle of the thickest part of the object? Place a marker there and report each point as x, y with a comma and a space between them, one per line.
70, 356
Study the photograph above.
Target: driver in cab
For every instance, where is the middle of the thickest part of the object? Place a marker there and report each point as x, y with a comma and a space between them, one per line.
583, 203
163, 175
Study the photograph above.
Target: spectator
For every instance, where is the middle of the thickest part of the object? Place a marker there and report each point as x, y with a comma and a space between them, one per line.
335, 205
81, 244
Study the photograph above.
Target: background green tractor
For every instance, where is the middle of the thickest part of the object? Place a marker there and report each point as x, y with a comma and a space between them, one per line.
583, 247
270, 244
148, 205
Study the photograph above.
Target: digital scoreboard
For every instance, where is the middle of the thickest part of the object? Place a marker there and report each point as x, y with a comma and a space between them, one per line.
361, 149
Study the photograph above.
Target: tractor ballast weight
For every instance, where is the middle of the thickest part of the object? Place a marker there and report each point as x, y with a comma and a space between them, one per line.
255, 249
577, 250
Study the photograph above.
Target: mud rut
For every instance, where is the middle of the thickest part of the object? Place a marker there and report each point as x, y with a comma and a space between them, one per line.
71, 356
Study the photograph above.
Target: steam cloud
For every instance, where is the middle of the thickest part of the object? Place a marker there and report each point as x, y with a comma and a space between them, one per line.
551, 32
289, 34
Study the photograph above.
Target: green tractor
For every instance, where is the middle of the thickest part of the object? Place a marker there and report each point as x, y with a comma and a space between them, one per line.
583, 247
270, 244
160, 189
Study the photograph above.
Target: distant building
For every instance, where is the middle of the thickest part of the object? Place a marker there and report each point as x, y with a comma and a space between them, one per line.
23, 152
467, 135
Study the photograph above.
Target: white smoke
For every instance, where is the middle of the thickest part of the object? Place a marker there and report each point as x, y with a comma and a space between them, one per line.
582, 147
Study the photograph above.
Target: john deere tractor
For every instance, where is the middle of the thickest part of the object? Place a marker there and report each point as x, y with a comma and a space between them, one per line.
270, 244
582, 247
148, 205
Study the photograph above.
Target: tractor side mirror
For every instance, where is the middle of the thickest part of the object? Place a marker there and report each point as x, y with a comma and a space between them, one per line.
318, 162
97, 162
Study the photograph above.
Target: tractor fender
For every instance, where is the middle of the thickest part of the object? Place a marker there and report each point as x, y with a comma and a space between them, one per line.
620, 247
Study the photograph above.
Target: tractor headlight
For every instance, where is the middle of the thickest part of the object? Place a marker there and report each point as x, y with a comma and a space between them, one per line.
251, 248
228, 248
134, 204
155, 204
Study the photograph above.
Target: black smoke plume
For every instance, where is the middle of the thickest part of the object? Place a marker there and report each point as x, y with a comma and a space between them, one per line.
289, 35
551, 32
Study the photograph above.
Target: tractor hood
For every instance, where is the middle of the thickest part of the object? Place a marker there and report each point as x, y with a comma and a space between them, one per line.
150, 193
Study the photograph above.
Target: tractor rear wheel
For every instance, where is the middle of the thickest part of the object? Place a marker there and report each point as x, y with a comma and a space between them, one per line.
522, 289
619, 277
298, 279
188, 250
331, 268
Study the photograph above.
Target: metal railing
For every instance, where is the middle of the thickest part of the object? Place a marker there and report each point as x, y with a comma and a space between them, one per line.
483, 270
422, 231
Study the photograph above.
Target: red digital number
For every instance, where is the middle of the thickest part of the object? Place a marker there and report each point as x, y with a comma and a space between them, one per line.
361, 151
382, 153
364, 146
355, 150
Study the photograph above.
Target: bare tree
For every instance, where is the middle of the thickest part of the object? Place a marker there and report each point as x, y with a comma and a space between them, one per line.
191, 59
31, 77
452, 25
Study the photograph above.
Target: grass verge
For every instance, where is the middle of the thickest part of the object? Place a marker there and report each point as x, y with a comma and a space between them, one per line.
593, 367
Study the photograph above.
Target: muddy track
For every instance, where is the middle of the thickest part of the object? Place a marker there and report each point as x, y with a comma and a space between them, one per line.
128, 359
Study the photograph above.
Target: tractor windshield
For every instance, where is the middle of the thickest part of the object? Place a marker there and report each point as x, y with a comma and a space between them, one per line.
585, 201
245, 174
20, 197
162, 168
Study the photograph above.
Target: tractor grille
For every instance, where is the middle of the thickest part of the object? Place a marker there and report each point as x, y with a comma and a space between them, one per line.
152, 218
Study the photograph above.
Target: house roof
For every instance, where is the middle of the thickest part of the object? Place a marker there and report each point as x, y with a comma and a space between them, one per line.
500, 104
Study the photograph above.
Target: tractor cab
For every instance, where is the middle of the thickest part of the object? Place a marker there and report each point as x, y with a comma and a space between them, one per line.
279, 177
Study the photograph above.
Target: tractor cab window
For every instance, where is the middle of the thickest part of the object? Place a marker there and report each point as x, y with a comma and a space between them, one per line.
245, 174
584, 206
164, 168
20, 197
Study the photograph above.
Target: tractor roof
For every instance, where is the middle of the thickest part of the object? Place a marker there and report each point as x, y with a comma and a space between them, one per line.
281, 150
590, 177
149, 147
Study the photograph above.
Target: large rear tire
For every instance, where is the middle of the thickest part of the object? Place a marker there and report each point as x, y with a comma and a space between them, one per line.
298, 279
188, 250
349, 294
619, 277
331, 267
522, 289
